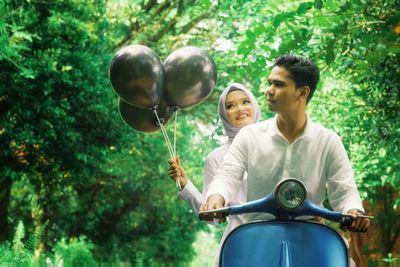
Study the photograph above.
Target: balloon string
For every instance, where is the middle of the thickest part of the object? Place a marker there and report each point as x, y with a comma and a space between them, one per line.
168, 142
176, 119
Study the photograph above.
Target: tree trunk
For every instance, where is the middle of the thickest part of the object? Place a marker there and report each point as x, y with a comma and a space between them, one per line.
383, 233
5, 189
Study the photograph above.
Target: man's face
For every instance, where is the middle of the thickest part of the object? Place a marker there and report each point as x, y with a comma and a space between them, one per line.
282, 95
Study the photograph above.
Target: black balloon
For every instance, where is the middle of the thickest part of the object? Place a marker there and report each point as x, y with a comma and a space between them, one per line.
144, 120
137, 76
190, 76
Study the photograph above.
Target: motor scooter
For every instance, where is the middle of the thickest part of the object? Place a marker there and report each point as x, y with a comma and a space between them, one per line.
286, 241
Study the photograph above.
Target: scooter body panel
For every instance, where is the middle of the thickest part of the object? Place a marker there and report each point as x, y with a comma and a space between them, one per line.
284, 244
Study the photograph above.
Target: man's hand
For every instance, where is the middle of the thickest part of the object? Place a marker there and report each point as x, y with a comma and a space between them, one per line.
359, 224
176, 171
215, 201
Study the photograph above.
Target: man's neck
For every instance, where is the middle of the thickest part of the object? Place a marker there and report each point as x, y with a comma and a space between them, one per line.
291, 125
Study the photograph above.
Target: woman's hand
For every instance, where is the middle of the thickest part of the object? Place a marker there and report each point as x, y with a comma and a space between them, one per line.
176, 171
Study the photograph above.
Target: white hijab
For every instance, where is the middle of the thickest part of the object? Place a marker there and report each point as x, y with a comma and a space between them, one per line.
230, 130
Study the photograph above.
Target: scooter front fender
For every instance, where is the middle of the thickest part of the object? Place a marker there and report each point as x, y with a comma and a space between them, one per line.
284, 244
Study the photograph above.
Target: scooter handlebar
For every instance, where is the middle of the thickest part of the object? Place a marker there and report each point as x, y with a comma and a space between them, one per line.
205, 215
309, 208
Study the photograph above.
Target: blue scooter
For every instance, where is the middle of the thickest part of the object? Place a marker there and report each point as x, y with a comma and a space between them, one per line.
285, 241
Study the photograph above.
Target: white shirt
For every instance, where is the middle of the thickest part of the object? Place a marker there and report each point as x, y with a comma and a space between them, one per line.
317, 158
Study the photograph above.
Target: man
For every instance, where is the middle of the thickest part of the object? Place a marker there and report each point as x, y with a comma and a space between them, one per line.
289, 145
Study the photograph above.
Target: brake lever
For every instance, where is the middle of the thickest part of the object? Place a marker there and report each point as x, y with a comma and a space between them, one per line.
348, 215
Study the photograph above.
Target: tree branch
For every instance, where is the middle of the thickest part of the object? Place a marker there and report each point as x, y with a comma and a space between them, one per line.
166, 4
170, 25
194, 21
149, 5
135, 28
393, 242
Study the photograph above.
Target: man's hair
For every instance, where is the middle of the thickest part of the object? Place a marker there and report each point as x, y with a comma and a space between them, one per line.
301, 70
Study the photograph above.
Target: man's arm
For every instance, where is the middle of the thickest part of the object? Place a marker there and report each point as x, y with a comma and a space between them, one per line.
211, 165
226, 183
342, 189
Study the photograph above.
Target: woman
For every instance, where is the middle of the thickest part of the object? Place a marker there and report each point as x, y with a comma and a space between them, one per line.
237, 107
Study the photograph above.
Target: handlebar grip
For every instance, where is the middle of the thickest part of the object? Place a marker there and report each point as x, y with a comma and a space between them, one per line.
345, 223
214, 214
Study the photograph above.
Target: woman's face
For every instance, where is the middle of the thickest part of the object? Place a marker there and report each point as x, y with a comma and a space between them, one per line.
239, 109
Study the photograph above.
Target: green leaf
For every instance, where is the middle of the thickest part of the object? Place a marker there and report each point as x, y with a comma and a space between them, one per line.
304, 7
250, 36
318, 4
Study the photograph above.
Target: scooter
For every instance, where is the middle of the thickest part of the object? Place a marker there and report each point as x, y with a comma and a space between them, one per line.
285, 241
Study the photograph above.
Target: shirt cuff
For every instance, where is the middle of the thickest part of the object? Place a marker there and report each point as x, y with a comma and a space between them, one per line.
347, 208
188, 191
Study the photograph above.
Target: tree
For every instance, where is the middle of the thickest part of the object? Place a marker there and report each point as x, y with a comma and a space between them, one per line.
61, 135
55, 122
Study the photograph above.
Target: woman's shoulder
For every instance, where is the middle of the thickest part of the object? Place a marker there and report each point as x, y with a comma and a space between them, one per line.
219, 151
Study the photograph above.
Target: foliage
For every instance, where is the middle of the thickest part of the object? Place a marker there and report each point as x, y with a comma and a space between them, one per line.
46, 134
67, 158
390, 259
21, 253
75, 253
61, 136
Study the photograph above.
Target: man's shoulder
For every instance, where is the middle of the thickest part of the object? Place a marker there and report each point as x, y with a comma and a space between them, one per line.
322, 131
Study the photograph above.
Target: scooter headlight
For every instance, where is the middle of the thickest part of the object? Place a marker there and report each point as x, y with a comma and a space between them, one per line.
290, 194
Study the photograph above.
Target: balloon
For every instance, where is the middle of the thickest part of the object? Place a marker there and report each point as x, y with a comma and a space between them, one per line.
190, 76
137, 76
144, 120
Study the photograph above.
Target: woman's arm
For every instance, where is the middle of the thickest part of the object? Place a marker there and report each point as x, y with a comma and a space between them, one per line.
189, 193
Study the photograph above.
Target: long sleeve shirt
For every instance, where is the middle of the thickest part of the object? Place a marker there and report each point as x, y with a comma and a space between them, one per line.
317, 158
191, 195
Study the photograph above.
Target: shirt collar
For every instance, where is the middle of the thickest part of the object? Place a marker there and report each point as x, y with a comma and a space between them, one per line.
308, 130
274, 130
307, 133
